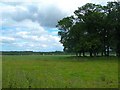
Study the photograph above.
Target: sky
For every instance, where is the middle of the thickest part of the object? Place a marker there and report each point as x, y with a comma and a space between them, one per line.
29, 25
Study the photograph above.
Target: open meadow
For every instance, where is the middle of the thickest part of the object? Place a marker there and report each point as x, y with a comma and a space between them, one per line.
59, 71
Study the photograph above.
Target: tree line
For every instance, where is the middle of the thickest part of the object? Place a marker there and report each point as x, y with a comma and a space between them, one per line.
93, 28
33, 53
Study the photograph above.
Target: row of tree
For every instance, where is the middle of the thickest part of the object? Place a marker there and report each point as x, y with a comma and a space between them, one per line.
93, 28
32, 53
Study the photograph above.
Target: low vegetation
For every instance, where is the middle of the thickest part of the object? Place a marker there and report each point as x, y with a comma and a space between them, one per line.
59, 71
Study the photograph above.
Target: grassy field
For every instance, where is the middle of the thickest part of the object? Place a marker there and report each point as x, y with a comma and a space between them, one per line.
59, 72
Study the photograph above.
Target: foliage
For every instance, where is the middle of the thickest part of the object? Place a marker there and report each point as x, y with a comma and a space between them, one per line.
93, 29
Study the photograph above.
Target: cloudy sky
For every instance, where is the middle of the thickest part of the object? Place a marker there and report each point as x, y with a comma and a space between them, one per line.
30, 24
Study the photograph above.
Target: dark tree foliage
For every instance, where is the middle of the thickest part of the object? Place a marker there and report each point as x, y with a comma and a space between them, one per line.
93, 28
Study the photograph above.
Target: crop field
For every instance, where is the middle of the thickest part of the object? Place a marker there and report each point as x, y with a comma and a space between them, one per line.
59, 71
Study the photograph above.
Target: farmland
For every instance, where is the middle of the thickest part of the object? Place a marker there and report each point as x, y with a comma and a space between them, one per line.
59, 71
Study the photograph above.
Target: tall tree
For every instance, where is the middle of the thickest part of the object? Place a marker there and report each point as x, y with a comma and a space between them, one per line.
114, 24
93, 28
92, 16
64, 26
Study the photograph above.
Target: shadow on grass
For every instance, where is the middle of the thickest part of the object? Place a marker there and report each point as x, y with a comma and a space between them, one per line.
88, 58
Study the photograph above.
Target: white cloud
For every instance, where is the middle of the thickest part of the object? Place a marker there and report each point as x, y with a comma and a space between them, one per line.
45, 12
46, 15
28, 35
6, 40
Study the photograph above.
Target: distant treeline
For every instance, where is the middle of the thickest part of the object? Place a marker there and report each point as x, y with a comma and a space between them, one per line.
44, 53
33, 53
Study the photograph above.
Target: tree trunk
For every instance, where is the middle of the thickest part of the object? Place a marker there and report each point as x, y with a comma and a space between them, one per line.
76, 54
90, 53
79, 54
83, 53
102, 53
118, 50
107, 52
95, 54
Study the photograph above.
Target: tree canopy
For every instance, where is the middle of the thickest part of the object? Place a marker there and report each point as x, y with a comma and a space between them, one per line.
93, 28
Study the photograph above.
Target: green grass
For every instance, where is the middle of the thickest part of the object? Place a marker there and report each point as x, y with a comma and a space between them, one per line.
59, 72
